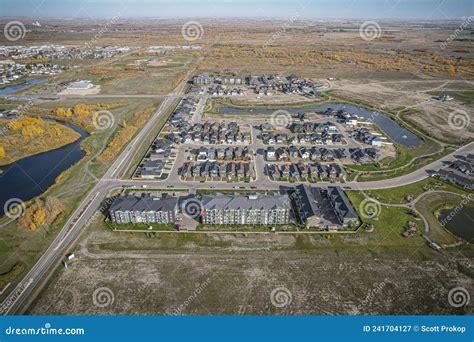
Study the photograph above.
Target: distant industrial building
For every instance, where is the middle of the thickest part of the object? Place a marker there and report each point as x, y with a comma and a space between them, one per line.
144, 209
80, 85
251, 209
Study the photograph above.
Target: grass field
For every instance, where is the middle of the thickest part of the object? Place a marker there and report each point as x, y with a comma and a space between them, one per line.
236, 274
22, 246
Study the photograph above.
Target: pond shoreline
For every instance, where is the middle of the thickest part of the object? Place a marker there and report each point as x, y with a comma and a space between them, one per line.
31, 176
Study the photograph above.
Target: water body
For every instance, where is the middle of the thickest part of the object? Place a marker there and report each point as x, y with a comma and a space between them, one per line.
31, 176
390, 127
461, 224
11, 89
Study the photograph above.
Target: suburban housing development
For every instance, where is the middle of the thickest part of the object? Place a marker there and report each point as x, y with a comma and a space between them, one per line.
232, 166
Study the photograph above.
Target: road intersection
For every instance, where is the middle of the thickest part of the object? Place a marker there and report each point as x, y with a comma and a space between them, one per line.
19, 299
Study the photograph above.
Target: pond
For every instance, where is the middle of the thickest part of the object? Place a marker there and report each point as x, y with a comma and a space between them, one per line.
11, 89
33, 175
460, 223
390, 127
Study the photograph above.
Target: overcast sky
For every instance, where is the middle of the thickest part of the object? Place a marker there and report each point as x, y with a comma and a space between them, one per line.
359, 9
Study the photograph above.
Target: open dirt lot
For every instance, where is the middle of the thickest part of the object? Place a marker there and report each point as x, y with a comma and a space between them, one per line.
178, 274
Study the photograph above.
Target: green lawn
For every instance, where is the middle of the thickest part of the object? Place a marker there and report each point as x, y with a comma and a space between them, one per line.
429, 206
388, 225
398, 195
242, 228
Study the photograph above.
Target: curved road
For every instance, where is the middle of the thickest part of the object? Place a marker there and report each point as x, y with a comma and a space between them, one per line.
19, 299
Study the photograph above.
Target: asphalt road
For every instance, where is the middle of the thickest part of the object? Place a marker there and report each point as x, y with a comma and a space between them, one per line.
17, 301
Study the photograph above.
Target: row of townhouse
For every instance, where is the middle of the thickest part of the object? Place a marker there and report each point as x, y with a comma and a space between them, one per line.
312, 205
312, 127
323, 154
210, 138
155, 161
460, 172
184, 112
323, 138
313, 171
342, 116
367, 137
214, 126
214, 169
221, 153
222, 91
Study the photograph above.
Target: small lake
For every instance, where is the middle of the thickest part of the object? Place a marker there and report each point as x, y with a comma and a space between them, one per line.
390, 127
461, 223
11, 89
31, 176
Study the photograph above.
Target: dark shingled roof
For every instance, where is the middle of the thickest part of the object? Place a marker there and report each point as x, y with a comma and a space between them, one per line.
144, 203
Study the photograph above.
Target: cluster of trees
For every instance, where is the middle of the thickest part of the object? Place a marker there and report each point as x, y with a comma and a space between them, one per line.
82, 114
42, 212
29, 126
286, 56
125, 134
29, 135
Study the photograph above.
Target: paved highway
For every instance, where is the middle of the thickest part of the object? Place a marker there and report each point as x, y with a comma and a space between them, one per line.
16, 302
